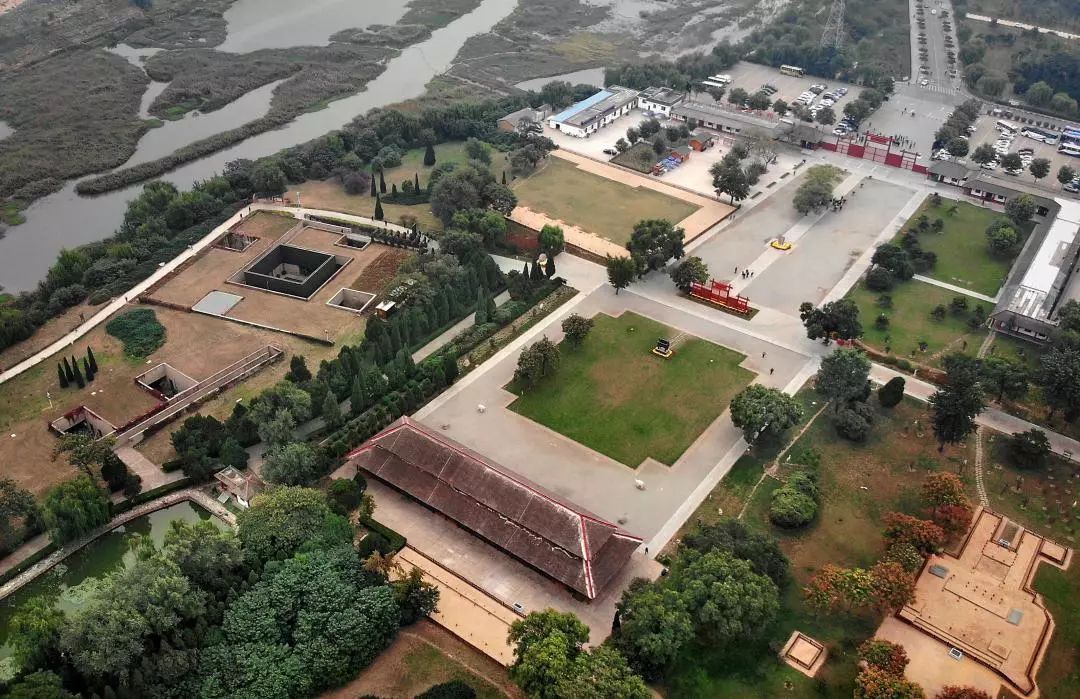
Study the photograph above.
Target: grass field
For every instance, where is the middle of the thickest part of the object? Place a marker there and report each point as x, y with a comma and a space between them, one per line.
860, 483
595, 204
963, 257
910, 322
650, 406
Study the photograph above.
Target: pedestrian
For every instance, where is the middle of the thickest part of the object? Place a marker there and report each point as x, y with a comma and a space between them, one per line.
751, 275
763, 355
771, 370
736, 269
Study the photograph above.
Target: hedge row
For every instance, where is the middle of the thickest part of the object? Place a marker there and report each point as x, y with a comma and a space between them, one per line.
152, 494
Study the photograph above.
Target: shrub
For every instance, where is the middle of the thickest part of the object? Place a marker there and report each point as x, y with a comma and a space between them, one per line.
344, 495
891, 393
795, 504
905, 555
880, 279
139, 330
939, 312
854, 422
454, 689
1029, 449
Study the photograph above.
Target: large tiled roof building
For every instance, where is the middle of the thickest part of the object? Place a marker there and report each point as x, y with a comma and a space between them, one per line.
547, 533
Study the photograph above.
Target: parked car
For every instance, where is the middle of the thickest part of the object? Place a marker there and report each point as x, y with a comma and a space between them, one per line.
610, 151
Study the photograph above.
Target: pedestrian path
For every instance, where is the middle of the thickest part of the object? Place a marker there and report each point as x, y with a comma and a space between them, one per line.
957, 289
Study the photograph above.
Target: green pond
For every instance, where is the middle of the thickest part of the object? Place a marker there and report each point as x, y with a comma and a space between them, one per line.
73, 581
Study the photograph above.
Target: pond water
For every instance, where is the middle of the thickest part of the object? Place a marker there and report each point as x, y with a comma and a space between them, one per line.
72, 582
279, 24
64, 219
588, 76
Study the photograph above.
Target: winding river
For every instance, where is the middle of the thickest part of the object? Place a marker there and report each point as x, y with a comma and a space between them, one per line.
64, 219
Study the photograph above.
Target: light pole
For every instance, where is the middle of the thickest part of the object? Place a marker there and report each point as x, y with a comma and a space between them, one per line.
298, 204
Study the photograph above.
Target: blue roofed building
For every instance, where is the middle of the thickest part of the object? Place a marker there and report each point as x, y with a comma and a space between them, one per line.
595, 112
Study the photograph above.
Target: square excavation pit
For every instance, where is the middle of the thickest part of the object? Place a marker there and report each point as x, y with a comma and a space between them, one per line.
165, 381
290, 270
82, 420
217, 303
236, 242
351, 300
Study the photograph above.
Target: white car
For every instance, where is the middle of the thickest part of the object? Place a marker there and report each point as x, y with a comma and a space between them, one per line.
924, 82
1013, 173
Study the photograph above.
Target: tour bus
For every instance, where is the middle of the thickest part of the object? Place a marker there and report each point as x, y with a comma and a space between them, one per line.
1039, 135
1069, 149
1070, 135
792, 70
1007, 126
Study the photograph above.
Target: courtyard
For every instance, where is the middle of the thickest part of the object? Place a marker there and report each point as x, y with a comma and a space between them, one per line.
658, 413
580, 472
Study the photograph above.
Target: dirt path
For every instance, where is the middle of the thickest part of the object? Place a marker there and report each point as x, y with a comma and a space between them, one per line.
6, 5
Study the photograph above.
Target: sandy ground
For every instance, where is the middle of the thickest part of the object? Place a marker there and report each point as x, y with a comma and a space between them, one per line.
195, 344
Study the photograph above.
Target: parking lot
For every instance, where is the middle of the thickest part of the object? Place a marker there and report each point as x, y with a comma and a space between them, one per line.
751, 76
986, 132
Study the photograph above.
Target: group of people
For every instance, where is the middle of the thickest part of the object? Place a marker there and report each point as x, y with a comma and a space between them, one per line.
746, 274
838, 204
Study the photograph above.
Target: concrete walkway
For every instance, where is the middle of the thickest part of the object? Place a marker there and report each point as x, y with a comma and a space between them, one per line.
460, 327
151, 474
957, 289
991, 417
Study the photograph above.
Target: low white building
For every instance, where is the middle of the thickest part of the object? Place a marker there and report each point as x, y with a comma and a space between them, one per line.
595, 112
660, 100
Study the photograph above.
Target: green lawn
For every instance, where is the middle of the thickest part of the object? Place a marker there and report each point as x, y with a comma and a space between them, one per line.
963, 257
910, 322
860, 483
613, 395
595, 204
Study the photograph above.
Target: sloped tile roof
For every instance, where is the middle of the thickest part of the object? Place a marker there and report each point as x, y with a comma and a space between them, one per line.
556, 537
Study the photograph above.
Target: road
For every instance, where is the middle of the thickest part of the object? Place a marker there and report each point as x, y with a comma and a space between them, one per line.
936, 62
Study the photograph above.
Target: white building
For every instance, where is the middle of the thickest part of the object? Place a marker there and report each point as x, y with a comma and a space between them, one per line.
660, 100
595, 112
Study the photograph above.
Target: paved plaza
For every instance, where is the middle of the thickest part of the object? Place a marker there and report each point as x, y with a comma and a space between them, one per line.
579, 474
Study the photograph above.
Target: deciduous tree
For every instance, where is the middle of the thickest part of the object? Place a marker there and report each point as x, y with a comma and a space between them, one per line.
621, 271
688, 271
759, 409
843, 376
576, 328
655, 241
280, 521
955, 405
74, 508
924, 535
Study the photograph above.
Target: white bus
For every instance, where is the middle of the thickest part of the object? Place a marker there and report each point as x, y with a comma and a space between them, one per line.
792, 70
1069, 149
1007, 126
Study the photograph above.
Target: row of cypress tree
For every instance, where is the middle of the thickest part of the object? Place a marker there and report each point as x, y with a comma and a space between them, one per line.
69, 372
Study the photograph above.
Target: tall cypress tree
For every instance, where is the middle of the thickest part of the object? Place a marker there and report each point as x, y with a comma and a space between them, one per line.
60, 375
504, 177
395, 338
78, 375
481, 307
382, 182
429, 155
372, 180
67, 372
491, 308
416, 185
378, 208
549, 268
358, 398
87, 370
93, 359
536, 275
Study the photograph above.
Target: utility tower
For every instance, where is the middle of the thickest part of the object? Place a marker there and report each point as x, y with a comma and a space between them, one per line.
834, 28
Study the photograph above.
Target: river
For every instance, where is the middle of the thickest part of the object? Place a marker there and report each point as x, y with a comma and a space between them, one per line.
64, 219
74, 580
